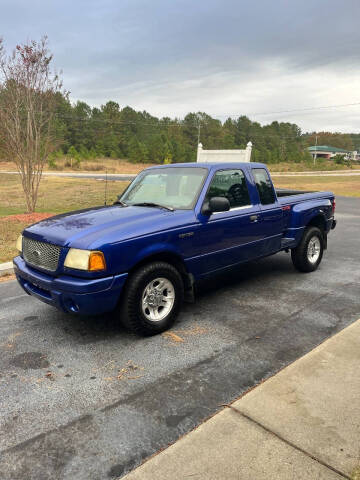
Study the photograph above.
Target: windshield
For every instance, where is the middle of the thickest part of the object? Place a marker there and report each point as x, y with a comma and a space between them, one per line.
174, 187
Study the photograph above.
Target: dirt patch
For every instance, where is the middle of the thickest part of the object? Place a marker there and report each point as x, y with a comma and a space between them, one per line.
30, 360
129, 372
178, 336
28, 218
172, 336
195, 330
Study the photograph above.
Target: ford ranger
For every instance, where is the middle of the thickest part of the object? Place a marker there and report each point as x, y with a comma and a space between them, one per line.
172, 226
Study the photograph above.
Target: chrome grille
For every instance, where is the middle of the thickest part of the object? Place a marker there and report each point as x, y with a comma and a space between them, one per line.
41, 254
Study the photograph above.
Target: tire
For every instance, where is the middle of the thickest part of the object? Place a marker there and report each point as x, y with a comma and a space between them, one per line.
307, 255
152, 299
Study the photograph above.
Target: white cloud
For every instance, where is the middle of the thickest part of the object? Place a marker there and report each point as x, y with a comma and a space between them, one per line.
271, 87
224, 57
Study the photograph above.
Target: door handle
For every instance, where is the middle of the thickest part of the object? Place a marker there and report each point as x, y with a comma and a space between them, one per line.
254, 218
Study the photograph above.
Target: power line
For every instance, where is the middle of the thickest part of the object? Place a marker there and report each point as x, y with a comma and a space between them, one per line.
181, 123
296, 110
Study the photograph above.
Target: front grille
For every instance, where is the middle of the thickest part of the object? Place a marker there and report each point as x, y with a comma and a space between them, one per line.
41, 254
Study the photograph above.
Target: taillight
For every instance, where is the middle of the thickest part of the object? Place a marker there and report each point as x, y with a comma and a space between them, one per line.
333, 203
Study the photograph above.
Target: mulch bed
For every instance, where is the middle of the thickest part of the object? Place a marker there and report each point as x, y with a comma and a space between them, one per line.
7, 278
26, 217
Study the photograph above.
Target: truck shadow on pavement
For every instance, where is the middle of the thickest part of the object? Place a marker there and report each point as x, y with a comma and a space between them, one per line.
92, 329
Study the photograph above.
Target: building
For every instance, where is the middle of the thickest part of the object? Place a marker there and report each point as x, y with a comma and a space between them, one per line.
325, 151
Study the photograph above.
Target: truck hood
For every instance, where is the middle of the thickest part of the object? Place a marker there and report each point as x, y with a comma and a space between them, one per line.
93, 227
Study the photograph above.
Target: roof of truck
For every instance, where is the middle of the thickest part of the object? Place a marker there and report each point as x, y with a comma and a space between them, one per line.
211, 165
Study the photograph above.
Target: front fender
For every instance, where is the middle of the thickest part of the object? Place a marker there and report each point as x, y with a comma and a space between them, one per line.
155, 249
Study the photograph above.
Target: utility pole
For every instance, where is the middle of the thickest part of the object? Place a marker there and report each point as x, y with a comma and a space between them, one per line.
199, 127
316, 140
106, 184
282, 150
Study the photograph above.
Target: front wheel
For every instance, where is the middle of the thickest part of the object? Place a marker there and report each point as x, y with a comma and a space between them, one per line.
152, 299
307, 255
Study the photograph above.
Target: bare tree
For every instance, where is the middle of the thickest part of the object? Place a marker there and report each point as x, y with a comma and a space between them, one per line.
29, 90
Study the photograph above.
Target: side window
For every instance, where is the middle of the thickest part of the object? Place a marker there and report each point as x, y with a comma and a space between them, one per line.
264, 186
232, 185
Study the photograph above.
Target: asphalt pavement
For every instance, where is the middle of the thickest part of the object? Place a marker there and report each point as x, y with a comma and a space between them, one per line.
81, 398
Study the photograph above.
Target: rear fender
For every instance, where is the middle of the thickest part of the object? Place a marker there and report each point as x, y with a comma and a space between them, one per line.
315, 212
304, 213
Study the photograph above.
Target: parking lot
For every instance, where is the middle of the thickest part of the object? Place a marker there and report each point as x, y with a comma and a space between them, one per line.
81, 398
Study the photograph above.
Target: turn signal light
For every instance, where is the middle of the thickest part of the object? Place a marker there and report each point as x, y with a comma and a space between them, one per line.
97, 261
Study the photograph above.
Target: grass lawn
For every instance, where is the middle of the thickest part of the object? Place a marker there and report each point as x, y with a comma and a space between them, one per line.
98, 165
345, 186
56, 195
113, 165
322, 165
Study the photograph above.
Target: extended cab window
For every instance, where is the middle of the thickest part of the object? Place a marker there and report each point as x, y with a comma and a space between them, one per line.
232, 185
264, 186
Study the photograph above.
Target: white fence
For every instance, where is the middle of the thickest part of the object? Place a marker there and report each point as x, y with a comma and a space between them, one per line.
221, 156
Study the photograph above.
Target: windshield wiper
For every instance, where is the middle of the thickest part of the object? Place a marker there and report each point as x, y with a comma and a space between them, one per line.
151, 204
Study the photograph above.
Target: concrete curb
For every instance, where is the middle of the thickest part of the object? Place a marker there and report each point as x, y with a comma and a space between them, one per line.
290, 438
6, 268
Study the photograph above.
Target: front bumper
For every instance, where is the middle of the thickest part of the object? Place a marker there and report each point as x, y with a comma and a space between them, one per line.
71, 294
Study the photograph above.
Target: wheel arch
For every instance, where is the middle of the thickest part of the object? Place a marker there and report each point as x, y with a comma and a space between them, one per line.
318, 221
169, 257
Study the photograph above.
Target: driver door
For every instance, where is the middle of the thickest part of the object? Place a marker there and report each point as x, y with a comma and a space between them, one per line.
230, 237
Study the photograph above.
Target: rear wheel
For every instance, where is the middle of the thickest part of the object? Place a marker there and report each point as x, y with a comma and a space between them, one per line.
307, 255
152, 299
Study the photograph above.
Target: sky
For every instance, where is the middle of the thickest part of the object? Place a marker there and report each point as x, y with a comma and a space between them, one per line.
261, 58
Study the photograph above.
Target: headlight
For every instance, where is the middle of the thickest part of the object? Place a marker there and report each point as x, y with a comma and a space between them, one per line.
19, 243
85, 260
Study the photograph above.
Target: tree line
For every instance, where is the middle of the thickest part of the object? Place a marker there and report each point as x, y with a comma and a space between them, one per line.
115, 132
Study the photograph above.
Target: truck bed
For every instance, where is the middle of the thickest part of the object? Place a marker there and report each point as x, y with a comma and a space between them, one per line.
285, 192
290, 197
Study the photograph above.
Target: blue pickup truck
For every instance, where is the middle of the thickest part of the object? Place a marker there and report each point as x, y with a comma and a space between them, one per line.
173, 226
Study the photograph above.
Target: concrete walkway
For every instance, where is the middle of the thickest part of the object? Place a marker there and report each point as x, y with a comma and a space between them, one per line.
303, 423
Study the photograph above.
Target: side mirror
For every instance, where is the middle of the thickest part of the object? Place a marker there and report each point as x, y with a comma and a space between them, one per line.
216, 204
